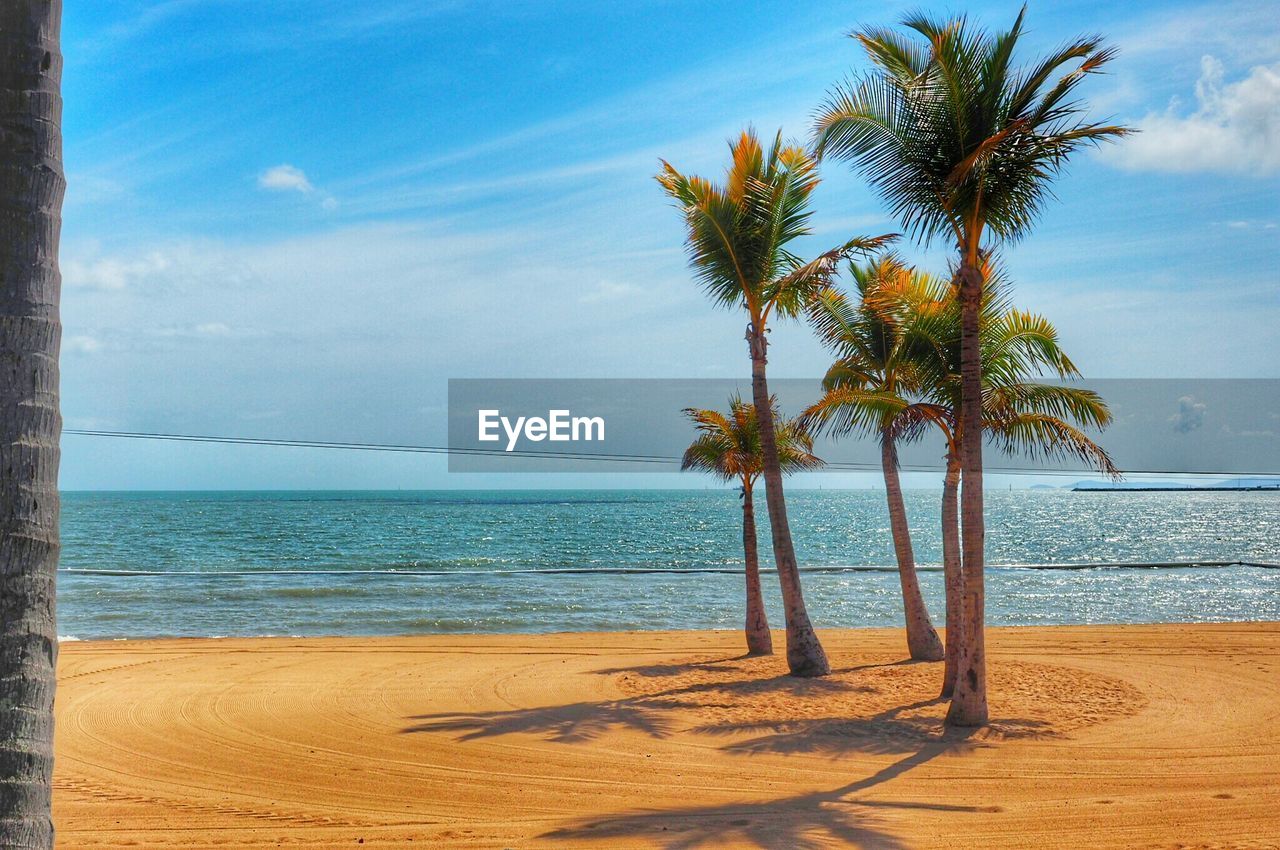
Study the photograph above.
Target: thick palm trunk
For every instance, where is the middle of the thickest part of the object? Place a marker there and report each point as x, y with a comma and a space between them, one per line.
31, 189
953, 577
759, 639
805, 656
922, 639
969, 700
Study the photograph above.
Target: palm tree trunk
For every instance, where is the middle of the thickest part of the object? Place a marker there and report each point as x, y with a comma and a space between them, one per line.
951, 570
922, 639
31, 190
969, 700
759, 638
805, 656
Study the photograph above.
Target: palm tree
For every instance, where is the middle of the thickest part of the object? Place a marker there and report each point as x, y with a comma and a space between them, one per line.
962, 144
1022, 417
866, 390
31, 190
729, 447
737, 240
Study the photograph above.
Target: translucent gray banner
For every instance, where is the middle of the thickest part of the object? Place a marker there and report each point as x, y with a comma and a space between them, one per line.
1169, 426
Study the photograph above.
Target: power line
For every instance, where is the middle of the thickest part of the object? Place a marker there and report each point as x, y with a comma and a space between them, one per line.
370, 447
657, 460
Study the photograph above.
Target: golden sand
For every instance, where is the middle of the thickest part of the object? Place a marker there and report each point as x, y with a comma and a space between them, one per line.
1133, 737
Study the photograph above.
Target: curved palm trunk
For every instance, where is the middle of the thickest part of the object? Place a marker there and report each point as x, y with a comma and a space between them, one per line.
922, 639
969, 700
31, 189
951, 570
805, 656
759, 639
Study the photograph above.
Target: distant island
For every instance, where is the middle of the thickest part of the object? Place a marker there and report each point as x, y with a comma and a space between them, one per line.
1232, 484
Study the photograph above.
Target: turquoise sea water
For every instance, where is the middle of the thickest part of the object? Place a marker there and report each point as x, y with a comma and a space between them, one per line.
315, 563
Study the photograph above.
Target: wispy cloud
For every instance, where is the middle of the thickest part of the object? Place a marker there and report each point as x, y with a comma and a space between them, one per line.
311, 22
608, 290
212, 329
1235, 128
113, 273
409, 276
656, 116
1242, 31
81, 344
171, 267
204, 330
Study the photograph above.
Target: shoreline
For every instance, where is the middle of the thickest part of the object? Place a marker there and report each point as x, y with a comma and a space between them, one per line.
563, 634
1102, 736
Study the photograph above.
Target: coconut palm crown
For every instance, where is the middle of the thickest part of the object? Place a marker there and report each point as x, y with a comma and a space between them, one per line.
739, 233
952, 133
728, 446
898, 367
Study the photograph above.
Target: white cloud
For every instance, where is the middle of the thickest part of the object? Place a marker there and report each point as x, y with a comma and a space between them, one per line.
1235, 128
206, 330
285, 178
175, 265
81, 344
89, 189
607, 290
290, 178
112, 272
212, 329
1190, 415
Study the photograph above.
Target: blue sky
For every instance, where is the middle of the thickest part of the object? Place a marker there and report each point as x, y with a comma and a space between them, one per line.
299, 219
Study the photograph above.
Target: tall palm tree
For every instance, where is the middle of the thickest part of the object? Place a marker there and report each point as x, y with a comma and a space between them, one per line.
729, 447
963, 144
866, 390
738, 238
31, 190
1020, 416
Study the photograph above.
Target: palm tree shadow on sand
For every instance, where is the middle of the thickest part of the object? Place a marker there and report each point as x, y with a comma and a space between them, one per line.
810, 821
649, 713
894, 731
575, 723
818, 819
802, 821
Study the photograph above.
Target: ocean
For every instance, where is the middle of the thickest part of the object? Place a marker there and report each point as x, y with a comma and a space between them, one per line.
152, 564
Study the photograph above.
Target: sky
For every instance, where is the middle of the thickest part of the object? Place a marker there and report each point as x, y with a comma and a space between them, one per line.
300, 219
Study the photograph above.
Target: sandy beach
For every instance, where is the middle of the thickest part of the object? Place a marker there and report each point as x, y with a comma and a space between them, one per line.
1118, 736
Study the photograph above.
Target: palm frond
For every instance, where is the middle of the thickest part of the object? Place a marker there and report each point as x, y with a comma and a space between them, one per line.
728, 445
843, 410
1077, 404
795, 446
894, 53
1039, 435
712, 223
794, 291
